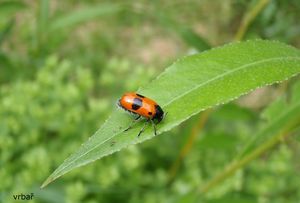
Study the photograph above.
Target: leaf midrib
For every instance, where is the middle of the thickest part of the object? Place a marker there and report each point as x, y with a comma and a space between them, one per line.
176, 98
227, 73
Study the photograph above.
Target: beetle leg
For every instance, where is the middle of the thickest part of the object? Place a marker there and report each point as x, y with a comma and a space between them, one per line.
133, 122
154, 127
143, 128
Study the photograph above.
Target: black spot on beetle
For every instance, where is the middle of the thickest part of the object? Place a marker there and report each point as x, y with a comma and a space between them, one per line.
140, 95
149, 113
135, 107
137, 103
159, 114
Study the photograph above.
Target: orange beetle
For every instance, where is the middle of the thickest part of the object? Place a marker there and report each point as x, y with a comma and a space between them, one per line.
143, 107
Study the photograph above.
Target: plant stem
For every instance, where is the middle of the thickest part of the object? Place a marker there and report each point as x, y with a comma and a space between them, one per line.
188, 145
249, 18
234, 166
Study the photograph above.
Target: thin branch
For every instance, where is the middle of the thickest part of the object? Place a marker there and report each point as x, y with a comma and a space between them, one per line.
248, 18
189, 144
238, 164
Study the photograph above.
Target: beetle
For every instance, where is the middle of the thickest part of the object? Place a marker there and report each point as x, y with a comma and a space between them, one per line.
142, 107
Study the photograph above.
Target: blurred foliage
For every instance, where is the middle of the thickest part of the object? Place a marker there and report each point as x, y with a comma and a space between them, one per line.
63, 64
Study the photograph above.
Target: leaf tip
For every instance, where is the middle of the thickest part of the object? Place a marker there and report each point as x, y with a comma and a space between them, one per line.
47, 181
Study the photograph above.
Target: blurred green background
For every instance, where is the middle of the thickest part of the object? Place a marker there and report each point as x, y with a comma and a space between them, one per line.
63, 64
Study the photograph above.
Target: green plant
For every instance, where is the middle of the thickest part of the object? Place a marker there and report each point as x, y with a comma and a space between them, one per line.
201, 81
64, 64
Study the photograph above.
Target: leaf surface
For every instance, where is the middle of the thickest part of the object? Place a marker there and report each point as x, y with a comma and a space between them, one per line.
190, 85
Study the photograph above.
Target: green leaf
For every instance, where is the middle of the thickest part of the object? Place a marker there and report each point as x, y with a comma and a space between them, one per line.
281, 123
10, 8
217, 141
233, 199
83, 15
6, 30
296, 93
190, 85
233, 112
187, 34
282, 117
43, 17
193, 39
